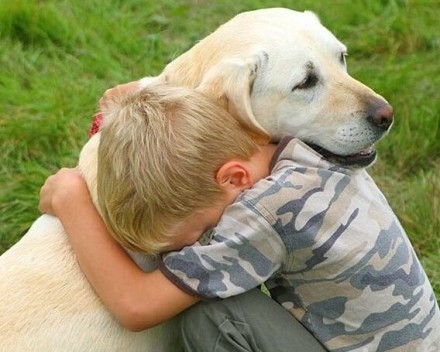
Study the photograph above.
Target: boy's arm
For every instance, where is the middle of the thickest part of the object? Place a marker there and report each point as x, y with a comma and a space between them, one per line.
137, 299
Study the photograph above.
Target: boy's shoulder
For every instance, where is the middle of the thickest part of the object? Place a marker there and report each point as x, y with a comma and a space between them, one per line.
299, 172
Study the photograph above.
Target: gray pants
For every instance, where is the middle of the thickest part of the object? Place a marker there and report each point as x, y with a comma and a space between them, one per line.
248, 322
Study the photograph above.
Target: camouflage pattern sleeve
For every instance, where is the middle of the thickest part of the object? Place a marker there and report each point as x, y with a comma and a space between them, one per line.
244, 252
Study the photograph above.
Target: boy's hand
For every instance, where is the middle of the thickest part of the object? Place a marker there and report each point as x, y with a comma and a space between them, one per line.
115, 94
61, 190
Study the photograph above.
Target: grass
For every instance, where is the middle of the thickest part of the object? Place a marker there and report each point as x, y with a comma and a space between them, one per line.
57, 57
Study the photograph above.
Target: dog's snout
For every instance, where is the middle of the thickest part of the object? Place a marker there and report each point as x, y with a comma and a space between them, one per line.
382, 117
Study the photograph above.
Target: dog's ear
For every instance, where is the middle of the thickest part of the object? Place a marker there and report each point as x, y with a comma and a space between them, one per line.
230, 84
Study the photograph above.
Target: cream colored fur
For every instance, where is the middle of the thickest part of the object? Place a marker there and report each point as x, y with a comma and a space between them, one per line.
46, 303
250, 65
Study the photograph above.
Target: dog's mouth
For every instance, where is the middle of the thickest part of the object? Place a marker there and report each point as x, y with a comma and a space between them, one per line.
362, 159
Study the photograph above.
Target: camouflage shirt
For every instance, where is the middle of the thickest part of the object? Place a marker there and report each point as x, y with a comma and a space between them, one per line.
330, 250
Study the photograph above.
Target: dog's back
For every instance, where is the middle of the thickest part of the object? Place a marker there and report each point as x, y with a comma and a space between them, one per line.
47, 304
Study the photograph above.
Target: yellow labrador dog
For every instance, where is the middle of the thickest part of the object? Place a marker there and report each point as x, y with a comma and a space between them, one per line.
278, 72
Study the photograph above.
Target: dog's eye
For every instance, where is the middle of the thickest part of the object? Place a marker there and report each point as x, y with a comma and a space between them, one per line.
343, 58
309, 82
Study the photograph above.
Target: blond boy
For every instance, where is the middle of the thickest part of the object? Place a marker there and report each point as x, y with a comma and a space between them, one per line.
321, 236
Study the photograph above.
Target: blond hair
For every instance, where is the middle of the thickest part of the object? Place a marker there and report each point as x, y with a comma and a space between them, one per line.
159, 153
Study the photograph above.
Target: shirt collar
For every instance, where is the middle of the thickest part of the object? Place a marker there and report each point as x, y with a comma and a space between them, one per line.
280, 147
292, 149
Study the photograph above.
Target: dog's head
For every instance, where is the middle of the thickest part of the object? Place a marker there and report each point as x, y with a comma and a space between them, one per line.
281, 72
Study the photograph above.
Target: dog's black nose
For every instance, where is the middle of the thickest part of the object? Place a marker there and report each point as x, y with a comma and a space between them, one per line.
382, 117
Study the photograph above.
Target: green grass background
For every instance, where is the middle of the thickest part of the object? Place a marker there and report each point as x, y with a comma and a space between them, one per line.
57, 57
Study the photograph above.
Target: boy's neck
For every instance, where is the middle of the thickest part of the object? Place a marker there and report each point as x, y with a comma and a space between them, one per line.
269, 150
261, 161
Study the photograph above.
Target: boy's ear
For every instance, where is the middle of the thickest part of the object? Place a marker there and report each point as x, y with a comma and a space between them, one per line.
234, 175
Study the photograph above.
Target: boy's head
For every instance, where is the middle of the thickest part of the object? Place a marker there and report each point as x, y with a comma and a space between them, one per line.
159, 154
